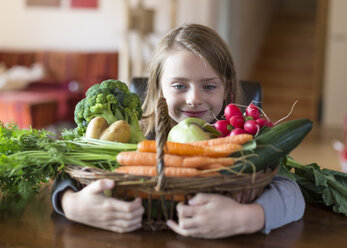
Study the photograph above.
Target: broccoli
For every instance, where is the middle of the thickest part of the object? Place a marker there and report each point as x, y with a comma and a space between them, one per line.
112, 100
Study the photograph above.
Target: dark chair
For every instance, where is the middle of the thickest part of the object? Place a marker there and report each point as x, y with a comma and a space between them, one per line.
252, 90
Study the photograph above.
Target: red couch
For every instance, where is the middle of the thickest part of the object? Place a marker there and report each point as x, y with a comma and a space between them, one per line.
53, 98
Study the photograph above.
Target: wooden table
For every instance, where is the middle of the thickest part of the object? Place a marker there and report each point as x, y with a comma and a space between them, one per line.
39, 227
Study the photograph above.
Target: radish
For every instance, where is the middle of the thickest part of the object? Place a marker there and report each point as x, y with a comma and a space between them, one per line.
237, 131
222, 126
253, 111
269, 124
236, 121
231, 110
261, 122
251, 127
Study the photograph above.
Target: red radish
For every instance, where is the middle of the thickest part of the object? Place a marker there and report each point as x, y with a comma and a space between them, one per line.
236, 121
231, 110
253, 111
222, 126
237, 131
251, 127
261, 122
269, 124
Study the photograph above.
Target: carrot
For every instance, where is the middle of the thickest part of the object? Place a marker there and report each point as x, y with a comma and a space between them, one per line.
188, 149
237, 139
226, 148
212, 166
152, 171
147, 159
198, 161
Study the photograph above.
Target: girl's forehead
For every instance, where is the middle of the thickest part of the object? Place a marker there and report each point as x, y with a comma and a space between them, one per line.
182, 61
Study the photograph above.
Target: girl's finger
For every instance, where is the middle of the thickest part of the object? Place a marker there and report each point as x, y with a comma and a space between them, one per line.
200, 199
118, 229
177, 229
129, 216
123, 206
186, 211
99, 186
188, 223
126, 223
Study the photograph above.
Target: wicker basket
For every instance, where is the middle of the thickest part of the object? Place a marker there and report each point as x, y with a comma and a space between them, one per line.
160, 193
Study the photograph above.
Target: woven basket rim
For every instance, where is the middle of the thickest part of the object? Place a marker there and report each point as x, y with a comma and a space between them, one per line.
231, 183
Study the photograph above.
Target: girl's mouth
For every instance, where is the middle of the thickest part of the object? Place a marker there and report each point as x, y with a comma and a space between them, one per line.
195, 114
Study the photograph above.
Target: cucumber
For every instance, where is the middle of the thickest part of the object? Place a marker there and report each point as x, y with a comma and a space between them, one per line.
268, 148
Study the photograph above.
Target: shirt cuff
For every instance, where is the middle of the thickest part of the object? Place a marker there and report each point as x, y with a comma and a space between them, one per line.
58, 187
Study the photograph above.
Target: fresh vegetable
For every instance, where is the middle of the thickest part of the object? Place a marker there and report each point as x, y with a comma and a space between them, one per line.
214, 166
118, 131
261, 122
226, 148
236, 121
237, 139
147, 159
31, 157
237, 131
251, 121
192, 129
318, 185
186, 149
96, 127
135, 158
252, 111
223, 127
232, 110
151, 171
268, 148
251, 126
113, 101
201, 162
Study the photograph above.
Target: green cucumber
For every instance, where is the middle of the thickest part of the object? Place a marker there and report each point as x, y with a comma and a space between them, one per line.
268, 148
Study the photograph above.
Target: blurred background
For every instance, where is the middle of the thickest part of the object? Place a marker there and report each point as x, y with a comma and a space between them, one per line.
51, 51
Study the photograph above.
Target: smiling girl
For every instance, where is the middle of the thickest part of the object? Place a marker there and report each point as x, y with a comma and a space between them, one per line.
193, 69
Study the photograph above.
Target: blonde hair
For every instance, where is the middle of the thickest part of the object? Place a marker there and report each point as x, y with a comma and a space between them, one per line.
200, 40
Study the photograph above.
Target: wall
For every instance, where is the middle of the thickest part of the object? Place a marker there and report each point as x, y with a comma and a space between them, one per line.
335, 81
101, 29
247, 26
60, 28
64, 28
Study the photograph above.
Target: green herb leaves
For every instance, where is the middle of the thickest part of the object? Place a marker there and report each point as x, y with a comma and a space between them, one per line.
318, 185
30, 157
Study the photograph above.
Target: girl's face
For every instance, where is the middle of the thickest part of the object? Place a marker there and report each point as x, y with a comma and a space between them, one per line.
191, 87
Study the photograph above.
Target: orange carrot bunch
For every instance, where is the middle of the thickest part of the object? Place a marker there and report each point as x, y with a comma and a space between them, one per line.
183, 159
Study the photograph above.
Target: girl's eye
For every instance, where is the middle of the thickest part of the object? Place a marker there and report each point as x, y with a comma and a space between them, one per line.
179, 86
210, 87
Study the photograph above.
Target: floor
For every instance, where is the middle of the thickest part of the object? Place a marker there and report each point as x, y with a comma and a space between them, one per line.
318, 148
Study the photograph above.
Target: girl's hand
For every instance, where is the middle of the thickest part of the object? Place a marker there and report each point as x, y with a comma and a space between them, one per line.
216, 216
89, 206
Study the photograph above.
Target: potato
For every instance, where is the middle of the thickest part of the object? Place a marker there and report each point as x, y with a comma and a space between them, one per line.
118, 131
96, 127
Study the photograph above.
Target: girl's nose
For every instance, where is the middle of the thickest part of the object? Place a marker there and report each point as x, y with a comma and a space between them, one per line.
194, 98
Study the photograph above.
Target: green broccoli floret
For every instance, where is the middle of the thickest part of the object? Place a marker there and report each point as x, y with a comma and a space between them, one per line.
112, 100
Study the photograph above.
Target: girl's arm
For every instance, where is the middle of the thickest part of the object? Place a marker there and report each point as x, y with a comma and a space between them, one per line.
91, 207
282, 202
216, 216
